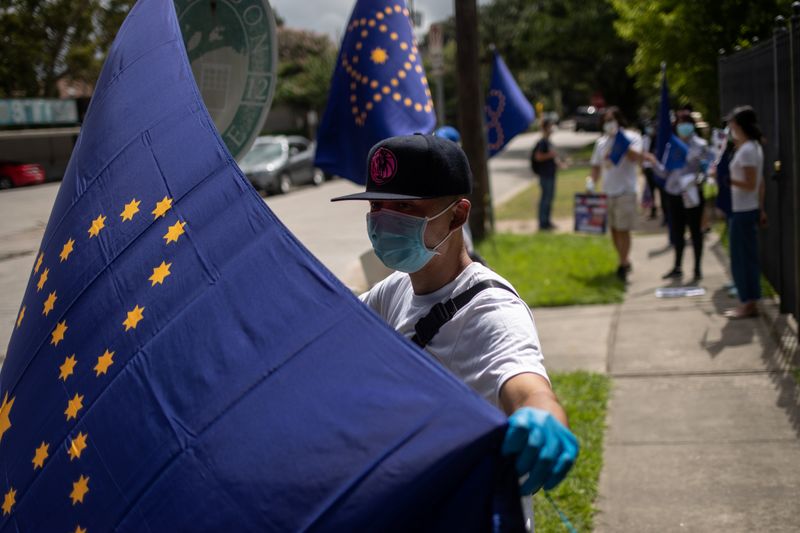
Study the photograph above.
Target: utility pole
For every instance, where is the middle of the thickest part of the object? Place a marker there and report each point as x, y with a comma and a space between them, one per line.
470, 111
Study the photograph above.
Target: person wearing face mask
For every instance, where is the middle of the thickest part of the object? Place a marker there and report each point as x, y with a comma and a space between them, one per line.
684, 196
464, 315
747, 204
619, 183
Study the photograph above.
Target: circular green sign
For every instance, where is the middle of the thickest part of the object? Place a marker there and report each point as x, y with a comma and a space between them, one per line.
232, 47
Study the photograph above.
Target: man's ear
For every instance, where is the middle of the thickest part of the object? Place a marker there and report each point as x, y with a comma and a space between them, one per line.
460, 213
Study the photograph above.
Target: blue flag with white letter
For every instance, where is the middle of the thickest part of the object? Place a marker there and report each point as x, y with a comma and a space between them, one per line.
378, 89
620, 147
508, 112
180, 362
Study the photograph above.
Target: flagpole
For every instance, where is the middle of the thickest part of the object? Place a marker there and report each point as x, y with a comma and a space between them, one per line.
471, 115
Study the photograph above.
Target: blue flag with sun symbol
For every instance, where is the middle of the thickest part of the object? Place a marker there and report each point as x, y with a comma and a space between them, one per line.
508, 112
180, 362
378, 89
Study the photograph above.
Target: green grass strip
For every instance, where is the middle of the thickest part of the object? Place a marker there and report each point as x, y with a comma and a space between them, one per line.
584, 396
556, 269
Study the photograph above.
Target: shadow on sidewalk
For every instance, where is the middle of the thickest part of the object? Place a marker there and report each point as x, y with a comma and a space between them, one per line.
778, 363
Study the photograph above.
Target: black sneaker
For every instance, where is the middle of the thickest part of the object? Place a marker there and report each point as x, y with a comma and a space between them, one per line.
622, 273
675, 273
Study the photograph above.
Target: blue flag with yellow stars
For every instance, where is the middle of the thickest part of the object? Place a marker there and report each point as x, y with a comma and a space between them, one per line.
180, 362
508, 112
378, 89
664, 124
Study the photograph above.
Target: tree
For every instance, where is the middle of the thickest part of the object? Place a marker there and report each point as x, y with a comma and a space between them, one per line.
44, 41
305, 66
688, 35
560, 51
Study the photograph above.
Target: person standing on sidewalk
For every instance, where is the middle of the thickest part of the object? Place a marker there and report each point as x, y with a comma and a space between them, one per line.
684, 196
544, 165
619, 183
465, 316
747, 203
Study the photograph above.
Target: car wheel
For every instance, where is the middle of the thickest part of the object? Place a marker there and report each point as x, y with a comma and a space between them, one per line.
318, 177
5, 182
284, 183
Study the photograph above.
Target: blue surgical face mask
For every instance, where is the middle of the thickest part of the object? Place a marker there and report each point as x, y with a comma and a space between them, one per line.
685, 129
399, 239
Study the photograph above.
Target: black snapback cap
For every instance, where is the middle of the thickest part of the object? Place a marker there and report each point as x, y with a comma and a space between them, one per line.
415, 167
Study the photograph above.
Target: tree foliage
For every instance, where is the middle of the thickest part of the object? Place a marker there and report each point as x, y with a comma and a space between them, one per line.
305, 66
559, 51
688, 35
45, 40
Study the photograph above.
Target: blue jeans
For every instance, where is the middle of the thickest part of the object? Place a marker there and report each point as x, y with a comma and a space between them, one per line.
744, 254
548, 184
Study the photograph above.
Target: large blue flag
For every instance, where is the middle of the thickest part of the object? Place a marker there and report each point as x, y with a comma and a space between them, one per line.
181, 363
664, 125
378, 90
508, 112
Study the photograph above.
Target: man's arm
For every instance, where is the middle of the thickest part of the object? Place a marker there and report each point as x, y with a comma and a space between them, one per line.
595, 173
530, 390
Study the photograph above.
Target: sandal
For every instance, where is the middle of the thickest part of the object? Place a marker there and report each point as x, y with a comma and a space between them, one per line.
737, 313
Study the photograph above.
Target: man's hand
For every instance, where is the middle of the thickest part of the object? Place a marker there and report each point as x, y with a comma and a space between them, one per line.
545, 449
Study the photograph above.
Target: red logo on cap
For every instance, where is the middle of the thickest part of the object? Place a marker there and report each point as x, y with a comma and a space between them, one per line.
382, 166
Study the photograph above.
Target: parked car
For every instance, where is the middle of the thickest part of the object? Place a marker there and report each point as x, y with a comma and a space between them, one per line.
16, 174
277, 163
587, 118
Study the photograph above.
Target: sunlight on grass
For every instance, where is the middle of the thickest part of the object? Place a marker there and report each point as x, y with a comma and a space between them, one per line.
525, 204
556, 269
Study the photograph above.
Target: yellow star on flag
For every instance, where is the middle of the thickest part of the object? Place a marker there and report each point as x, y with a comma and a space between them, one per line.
134, 316
58, 333
42, 279
97, 224
175, 231
162, 207
77, 445
67, 367
103, 362
5, 412
38, 263
41, 455
9, 500
79, 489
131, 208
21, 315
159, 273
379, 56
66, 250
49, 303
73, 406
79, 529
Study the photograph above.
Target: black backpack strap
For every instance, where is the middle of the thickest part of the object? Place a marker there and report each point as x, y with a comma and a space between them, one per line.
429, 325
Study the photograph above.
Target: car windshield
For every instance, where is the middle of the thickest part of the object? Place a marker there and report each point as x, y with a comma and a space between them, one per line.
262, 153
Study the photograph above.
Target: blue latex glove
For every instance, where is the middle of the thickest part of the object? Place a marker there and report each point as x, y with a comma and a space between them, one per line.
545, 449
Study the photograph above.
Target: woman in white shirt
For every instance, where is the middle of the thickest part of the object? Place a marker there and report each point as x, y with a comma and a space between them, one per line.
747, 199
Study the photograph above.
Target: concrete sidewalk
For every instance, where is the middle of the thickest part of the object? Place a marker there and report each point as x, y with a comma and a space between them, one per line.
704, 420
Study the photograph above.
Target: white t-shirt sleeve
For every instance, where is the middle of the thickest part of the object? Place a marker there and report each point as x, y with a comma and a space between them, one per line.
636, 142
502, 341
748, 155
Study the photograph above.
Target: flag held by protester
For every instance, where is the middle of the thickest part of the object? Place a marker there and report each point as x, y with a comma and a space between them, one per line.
508, 112
378, 90
180, 362
675, 154
620, 147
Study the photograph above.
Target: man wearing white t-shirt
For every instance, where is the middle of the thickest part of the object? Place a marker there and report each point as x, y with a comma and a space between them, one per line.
417, 186
619, 183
